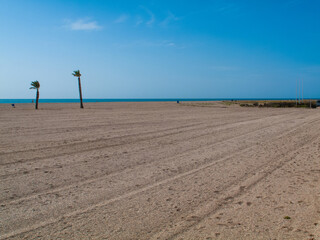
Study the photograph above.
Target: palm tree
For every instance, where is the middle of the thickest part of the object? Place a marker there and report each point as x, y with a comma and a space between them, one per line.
77, 74
36, 85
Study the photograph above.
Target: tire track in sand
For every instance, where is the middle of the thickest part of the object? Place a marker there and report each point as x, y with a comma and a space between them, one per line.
102, 176
92, 144
101, 204
239, 188
213, 127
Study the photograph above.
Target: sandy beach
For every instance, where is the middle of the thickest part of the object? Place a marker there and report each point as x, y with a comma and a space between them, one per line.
159, 171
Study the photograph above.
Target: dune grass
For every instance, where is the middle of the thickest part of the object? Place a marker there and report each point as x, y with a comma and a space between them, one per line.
275, 103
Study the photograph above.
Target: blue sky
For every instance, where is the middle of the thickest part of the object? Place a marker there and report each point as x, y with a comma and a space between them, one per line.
160, 48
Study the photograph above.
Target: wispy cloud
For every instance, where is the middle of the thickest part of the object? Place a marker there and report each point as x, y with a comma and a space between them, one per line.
227, 8
167, 43
122, 18
82, 25
171, 44
144, 43
152, 17
148, 18
139, 20
170, 18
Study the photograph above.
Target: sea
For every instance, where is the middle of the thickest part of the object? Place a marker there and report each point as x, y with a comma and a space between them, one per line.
68, 100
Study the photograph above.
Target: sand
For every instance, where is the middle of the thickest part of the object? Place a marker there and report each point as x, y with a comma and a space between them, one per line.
159, 171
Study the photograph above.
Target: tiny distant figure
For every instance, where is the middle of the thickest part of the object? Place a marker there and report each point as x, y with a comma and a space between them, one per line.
178, 101
32, 101
13, 105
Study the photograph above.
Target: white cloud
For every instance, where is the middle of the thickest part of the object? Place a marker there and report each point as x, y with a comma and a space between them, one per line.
122, 18
152, 17
82, 24
164, 43
170, 18
139, 21
146, 43
227, 8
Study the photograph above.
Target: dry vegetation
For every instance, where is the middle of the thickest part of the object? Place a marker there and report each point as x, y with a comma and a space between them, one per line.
274, 103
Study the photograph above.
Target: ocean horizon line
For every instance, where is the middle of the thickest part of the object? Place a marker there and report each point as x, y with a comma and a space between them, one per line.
75, 100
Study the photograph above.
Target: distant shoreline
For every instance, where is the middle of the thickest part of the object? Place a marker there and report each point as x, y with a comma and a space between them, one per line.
15, 101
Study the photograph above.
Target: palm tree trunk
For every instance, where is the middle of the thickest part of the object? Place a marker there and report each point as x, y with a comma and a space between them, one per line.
37, 100
80, 93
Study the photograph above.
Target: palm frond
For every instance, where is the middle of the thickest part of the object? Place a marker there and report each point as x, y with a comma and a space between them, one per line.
35, 85
76, 73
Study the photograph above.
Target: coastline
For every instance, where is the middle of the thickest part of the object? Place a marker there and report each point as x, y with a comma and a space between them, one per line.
74, 100
158, 170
